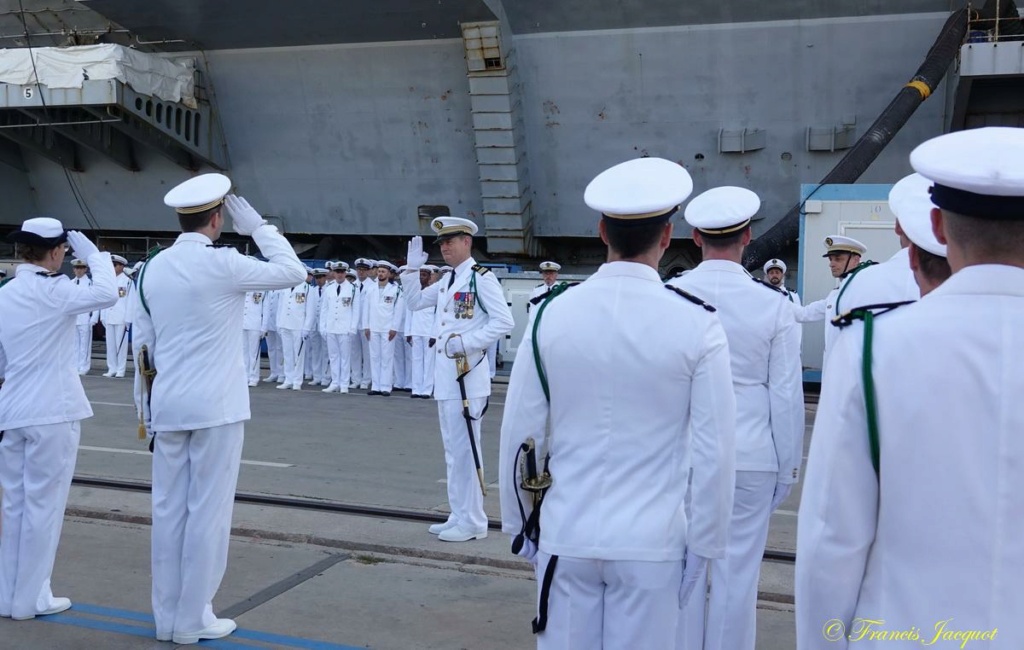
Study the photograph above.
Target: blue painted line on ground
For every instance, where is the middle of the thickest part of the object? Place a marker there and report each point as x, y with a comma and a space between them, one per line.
251, 635
132, 630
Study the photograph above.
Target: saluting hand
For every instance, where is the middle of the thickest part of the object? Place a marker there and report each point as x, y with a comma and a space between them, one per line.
415, 257
244, 218
81, 245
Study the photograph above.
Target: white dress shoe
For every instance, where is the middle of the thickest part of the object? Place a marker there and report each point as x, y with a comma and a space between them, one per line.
296, 386
119, 375
270, 379
342, 391
460, 534
364, 386
57, 605
220, 628
108, 374
253, 384
437, 529
333, 388
283, 386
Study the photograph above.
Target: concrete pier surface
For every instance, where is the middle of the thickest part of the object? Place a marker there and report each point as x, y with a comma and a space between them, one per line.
311, 579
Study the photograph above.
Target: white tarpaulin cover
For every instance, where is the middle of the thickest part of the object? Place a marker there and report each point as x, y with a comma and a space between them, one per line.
69, 67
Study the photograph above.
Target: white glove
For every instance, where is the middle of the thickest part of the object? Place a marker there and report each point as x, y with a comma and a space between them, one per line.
244, 218
415, 257
454, 347
695, 571
528, 551
83, 248
782, 491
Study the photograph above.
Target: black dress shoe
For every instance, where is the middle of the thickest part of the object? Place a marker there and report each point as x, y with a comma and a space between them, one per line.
373, 392
385, 394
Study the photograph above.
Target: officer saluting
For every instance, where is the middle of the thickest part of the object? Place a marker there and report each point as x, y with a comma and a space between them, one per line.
473, 315
930, 434
634, 378
41, 406
190, 320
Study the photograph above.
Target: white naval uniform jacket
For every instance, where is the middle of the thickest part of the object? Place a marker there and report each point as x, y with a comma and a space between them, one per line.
764, 346
890, 281
293, 312
381, 312
252, 313
339, 309
90, 317
39, 339
118, 313
941, 536
539, 290
641, 392
195, 292
489, 322
270, 302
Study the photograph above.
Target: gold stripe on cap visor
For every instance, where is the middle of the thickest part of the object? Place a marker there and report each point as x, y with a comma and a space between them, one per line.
642, 215
200, 208
451, 230
725, 231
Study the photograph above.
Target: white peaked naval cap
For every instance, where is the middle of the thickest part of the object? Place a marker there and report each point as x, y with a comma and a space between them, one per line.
639, 190
911, 202
198, 194
722, 211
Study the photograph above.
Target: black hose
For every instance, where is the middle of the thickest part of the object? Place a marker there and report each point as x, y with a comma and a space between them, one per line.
863, 153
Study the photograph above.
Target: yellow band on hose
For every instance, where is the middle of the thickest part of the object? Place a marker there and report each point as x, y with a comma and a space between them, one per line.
921, 87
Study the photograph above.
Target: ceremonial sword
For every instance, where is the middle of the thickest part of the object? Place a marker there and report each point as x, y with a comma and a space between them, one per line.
463, 369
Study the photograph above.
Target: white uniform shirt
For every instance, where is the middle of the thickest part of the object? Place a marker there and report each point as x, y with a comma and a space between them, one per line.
39, 339
338, 309
270, 302
539, 290
421, 323
313, 308
764, 346
942, 537
195, 293
381, 313
293, 311
119, 313
252, 313
890, 281
640, 392
87, 318
491, 319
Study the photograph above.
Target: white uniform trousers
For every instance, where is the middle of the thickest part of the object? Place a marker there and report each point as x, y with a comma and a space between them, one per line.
36, 466
194, 479
365, 372
492, 359
401, 361
355, 359
610, 604
322, 370
312, 355
727, 619
275, 355
293, 350
382, 361
339, 347
84, 348
251, 354
422, 366
117, 349
464, 496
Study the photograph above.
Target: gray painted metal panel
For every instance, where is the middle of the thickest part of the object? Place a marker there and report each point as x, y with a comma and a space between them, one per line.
538, 16
596, 99
18, 201
229, 24
333, 139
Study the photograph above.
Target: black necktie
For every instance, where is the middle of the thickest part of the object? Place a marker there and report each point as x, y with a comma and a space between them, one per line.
451, 280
